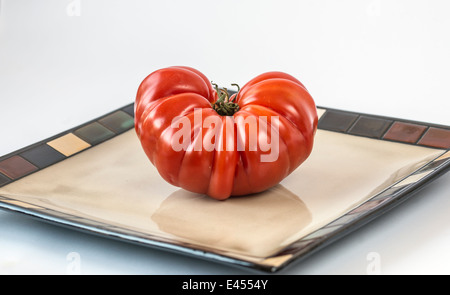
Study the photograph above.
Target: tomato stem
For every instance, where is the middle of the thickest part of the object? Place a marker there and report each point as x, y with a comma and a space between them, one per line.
223, 106
239, 89
234, 84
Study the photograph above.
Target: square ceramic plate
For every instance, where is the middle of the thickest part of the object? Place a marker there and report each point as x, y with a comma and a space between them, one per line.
95, 177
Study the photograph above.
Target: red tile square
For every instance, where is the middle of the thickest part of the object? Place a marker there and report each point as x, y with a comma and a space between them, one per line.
436, 137
405, 132
16, 167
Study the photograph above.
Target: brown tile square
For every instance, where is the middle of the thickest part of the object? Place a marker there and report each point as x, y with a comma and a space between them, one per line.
405, 132
370, 127
16, 167
336, 121
436, 137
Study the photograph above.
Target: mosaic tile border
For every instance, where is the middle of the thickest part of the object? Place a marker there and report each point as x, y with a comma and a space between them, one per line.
386, 128
64, 145
38, 156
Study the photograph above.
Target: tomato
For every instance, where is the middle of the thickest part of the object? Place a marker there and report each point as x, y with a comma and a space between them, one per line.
204, 140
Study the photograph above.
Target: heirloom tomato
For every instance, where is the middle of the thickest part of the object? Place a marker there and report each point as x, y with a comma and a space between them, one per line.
203, 139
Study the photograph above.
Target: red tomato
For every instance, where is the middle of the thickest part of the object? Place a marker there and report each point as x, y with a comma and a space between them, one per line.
200, 139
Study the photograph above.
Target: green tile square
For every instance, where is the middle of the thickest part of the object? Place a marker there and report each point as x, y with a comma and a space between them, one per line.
129, 109
118, 121
94, 133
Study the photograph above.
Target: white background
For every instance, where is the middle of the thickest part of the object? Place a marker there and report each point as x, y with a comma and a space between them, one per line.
64, 62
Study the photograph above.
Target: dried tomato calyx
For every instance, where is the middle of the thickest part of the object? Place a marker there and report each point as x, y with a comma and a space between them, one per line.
223, 105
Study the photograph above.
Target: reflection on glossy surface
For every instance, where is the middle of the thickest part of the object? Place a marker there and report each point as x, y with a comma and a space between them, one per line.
257, 225
344, 171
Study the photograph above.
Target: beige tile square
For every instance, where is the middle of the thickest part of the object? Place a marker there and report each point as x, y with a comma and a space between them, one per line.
68, 144
320, 112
